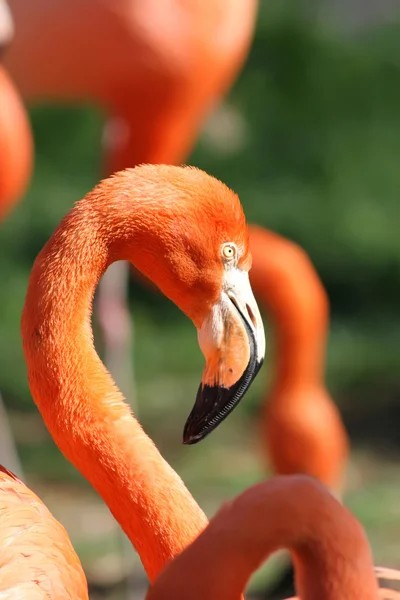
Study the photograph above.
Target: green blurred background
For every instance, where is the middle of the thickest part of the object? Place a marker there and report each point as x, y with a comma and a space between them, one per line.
310, 139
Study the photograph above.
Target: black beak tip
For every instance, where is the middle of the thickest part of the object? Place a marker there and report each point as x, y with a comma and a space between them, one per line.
199, 423
191, 439
196, 426
214, 403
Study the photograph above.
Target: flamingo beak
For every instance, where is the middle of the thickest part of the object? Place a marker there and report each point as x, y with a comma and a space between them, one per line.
233, 343
6, 26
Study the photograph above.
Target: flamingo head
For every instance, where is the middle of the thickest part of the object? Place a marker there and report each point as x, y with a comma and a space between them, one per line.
195, 249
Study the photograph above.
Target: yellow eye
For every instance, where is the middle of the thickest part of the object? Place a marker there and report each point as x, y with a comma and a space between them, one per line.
229, 251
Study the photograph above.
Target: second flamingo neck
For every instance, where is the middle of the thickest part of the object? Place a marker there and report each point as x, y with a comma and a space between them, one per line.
330, 550
299, 314
299, 358
285, 282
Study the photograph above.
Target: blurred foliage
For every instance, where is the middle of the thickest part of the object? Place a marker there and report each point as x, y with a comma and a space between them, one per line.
317, 162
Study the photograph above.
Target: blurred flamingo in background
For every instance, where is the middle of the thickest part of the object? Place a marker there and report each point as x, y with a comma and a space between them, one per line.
16, 158
16, 147
207, 277
329, 547
301, 427
156, 68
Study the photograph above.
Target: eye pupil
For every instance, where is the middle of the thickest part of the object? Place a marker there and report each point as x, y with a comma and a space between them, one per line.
228, 251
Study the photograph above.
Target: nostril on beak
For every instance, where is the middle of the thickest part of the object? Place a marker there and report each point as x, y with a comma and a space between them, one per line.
251, 315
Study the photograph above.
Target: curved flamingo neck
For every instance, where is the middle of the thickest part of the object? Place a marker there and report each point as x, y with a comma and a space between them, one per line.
285, 281
330, 550
80, 404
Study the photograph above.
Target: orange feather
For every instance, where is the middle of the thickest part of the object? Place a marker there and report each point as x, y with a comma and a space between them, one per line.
38, 561
329, 548
171, 222
156, 68
16, 146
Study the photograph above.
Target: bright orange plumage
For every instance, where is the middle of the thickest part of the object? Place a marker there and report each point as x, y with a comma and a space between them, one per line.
156, 68
38, 561
302, 431
150, 215
329, 548
16, 146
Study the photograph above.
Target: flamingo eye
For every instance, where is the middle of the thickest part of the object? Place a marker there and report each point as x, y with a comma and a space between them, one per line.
229, 251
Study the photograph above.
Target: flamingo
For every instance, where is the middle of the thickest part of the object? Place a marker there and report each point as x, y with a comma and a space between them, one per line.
16, 145
329, 547
16, 150
186, 232
157, 69
301, 427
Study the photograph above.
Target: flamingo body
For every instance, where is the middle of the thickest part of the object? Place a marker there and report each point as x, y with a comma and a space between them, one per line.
156, 68
38, 561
